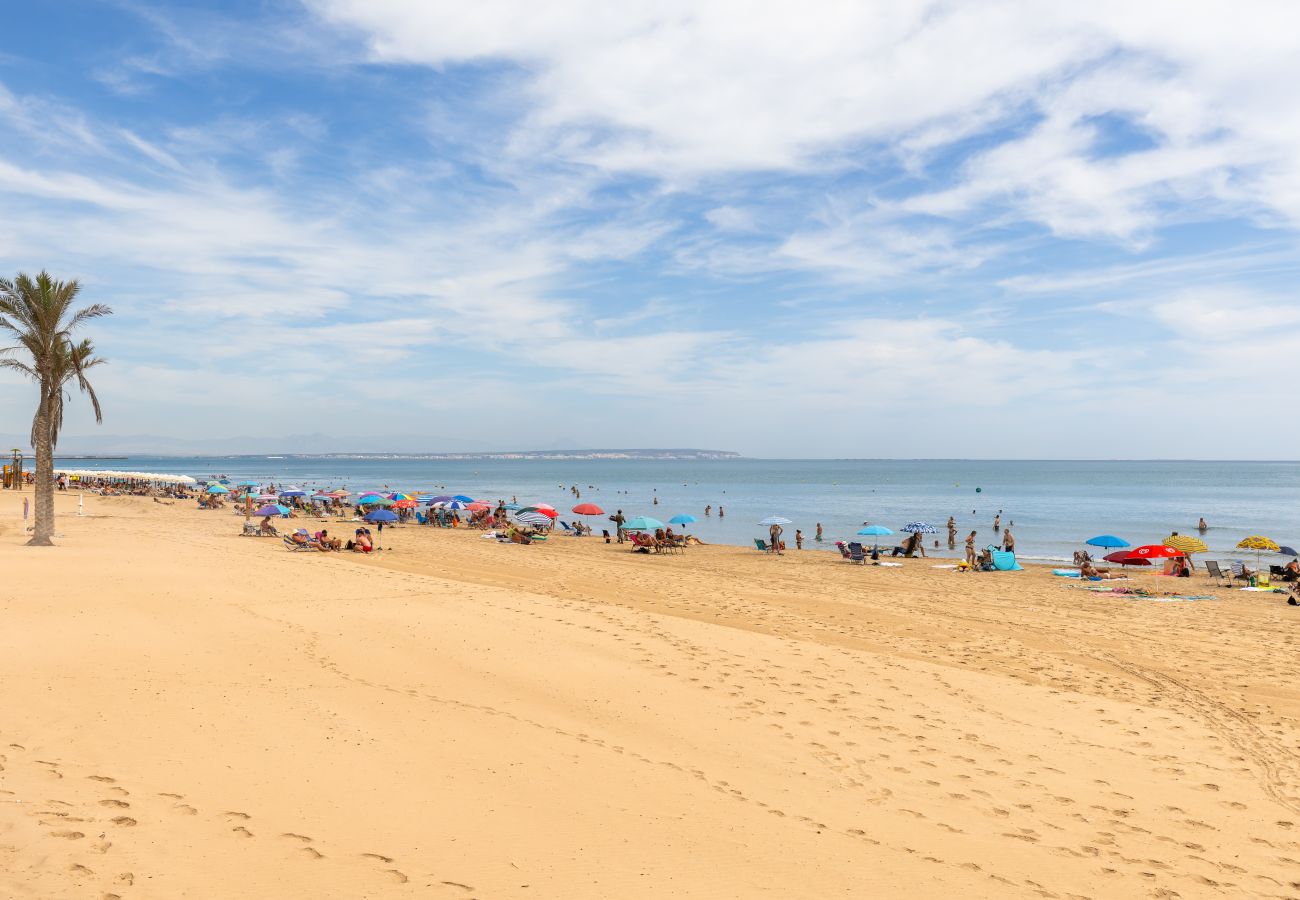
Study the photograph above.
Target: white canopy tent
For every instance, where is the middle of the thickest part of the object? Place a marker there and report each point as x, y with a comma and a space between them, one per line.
112, 475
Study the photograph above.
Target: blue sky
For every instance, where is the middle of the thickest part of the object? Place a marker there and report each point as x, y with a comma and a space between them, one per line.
853, 229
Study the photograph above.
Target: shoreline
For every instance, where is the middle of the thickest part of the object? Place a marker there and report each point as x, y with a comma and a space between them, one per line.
461, 718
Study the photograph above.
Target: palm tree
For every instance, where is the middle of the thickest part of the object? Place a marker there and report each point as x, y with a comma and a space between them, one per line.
38, 314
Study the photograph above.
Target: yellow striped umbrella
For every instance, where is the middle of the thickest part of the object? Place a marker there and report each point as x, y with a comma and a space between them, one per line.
1259, 544
1186, 543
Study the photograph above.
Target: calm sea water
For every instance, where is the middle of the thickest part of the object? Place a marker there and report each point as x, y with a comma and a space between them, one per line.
1054, 505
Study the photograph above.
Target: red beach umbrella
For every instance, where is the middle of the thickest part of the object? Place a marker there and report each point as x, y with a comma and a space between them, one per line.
1124, 558
404, 504
1154, 551
478, 506
588, 509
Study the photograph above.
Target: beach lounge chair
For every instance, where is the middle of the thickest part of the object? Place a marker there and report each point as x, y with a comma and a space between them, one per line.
294, 547
567, 529
761, 544
857, 554
1214, 571
1239, 571
843, 548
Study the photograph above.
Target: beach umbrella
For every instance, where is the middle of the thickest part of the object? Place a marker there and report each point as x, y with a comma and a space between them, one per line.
478, 506
269, 510
919, 528
1185, 543
249, 483
463, 499
776, 520
548, 511
1287, 551
642, 523
1107, 541
588, 509
533, 517
266, 497
293, 493
1125, 558
1259, 544
380, 515
284, 510
682, 519
398, 495
1154, 551
440, 498
452, 504
404, 504
370, 497
876, 531
217, 489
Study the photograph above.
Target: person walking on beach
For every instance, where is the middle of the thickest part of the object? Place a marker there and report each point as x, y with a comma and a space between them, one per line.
618, 519
798, 539
952, 533
1008, 542
774, 533
818, 537
970, 549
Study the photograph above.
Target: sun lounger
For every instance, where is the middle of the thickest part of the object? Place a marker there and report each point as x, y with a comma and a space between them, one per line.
1214, 571
857, 554
761, 544
294, 547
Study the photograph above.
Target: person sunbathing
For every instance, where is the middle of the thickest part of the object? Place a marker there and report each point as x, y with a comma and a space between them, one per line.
1092, 573
303, 539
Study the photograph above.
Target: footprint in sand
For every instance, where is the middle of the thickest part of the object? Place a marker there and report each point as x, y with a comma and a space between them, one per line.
70, 835
103, 778
378, 856
241, 830
119, 804
123, 821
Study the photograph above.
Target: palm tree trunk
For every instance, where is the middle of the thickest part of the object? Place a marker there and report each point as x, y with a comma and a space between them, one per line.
44, 527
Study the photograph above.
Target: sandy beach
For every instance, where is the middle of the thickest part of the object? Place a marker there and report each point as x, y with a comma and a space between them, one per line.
191, 713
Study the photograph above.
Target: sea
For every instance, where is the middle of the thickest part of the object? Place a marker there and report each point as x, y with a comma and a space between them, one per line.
1053, 506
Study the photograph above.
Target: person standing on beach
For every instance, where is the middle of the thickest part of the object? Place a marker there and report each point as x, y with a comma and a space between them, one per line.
970, 549
618, 519
774, 533
818, 537
798, 539
1008, 542
952, 533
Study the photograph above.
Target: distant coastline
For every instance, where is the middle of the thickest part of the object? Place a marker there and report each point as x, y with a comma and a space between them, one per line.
637, 454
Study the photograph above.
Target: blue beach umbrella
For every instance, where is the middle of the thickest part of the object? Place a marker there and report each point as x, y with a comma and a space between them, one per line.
380, 515
920, 528
440, 498
293, 492
217, 489
1109, 541
284, 510
642, 523
452, 504
683, 519
875, 531
1287, 551
249, 483
776, 520
463, 499
512, 506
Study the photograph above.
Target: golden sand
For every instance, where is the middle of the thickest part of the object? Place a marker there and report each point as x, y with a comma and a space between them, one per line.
191, 713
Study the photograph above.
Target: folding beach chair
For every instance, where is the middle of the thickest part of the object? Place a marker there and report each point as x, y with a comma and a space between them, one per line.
857, 554
761, 544
1212, 569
